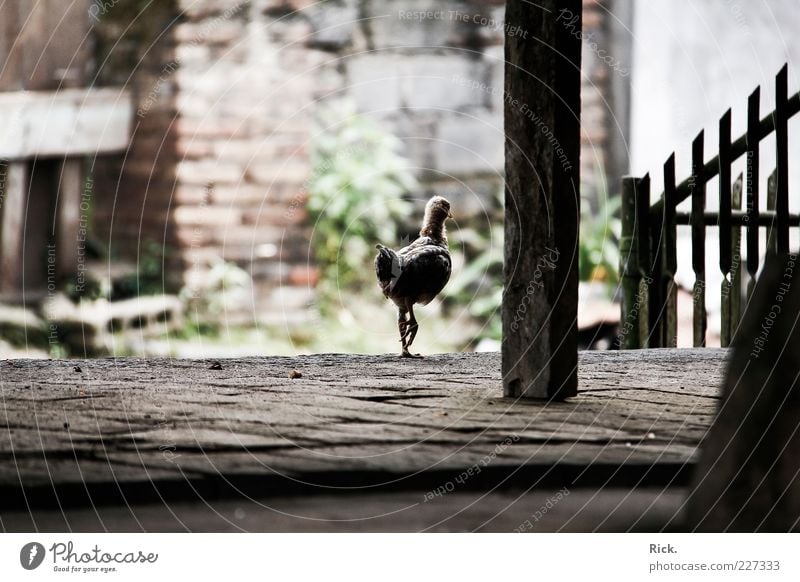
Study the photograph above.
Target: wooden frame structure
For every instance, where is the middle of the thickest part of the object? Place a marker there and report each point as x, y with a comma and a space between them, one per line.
649, 242
50, 124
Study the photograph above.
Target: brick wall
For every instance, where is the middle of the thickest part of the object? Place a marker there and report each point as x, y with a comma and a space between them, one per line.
227, 94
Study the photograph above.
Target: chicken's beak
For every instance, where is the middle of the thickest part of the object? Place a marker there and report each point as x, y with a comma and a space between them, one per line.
450, 215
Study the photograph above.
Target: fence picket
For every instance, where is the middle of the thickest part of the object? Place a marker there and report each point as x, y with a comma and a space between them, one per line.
631, 303
698, 193
669, 307
753, 157
725, 223
735, 294
782, 157
772, 197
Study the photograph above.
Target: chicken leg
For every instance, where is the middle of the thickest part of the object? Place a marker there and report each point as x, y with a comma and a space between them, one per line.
407, 338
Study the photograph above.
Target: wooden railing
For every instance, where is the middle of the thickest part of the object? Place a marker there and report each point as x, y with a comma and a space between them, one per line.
648, 242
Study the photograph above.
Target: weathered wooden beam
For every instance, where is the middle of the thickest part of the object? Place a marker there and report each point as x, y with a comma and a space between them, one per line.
632, 297
70, 122
542, 127
737, 268
670, 259
698, 195
13, 192
748, 477
772, 201
70, 239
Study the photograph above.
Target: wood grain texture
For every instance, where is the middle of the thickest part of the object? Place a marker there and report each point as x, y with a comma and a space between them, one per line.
362, 423
13, 193
69, 122
542, 150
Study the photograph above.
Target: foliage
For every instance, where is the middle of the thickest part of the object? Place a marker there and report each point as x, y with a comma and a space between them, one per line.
599, 247
226, 286
357, 196
479, 284
149, 276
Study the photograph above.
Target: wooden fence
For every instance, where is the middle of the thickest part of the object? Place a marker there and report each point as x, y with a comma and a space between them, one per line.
649, 243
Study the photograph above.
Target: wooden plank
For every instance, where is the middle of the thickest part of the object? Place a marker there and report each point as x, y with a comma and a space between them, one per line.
670, 265
358, 421
753, 188
725, 259
542, 201
656, 291
698, 194
557, 509
645, 260
782, 158
69, 122
772, 198
735, 297
630, 306
738, 218
13, 196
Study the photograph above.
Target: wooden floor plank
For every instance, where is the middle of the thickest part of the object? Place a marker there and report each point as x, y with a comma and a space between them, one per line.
348, 421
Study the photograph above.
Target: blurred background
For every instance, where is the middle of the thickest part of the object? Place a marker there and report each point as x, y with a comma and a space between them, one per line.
209, 178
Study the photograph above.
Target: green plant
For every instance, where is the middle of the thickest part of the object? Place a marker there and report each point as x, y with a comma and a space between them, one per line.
479, 284
598, 258
226, 286
357, 195
149, 276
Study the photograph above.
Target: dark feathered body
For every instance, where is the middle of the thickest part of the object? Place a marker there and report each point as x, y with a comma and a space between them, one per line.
414, 274
418, 272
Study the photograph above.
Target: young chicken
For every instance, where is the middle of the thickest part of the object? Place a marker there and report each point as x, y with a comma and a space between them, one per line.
418, 272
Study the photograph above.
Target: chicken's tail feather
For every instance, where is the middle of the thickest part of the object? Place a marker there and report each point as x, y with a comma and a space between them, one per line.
387, 267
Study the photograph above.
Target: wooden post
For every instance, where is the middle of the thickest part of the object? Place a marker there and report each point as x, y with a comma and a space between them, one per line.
631, 304
13, 194
643, 236
781, 118
725, 259
772, 197
542, 199
670, 258
697, 187
68, 218
753, 159
735, 297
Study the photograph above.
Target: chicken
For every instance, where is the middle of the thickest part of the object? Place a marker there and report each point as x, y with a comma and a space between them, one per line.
418, 272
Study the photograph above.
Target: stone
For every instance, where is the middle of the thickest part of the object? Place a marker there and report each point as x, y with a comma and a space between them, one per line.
374, 81
22, 327
333, 24
208, 171
469, 144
